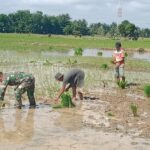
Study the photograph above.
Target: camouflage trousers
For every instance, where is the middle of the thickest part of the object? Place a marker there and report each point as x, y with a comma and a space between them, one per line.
27, 85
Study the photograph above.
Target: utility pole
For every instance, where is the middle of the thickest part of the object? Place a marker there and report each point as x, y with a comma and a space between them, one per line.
119, 15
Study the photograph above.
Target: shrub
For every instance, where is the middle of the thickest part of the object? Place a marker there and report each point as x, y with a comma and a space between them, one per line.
134, 109
78, 51
147, 90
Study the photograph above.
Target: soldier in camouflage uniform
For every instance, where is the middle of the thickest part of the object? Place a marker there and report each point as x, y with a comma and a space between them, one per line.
23, 82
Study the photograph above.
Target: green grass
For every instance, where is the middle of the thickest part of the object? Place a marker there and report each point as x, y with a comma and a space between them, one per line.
134, 109
23, 42
147, 90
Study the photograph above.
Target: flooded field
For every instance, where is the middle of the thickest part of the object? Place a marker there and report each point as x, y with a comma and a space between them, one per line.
94, 52
103, 120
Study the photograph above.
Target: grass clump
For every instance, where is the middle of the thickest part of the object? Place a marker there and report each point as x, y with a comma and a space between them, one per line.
134, 109
122, 84
147, 90
66, 101
78, 52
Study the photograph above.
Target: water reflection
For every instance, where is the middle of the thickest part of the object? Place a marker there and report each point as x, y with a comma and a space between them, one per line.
16, 126
94, 53
69, 120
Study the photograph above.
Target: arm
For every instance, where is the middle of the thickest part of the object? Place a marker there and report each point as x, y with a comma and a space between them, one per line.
62, 90
2, 91
3, 87
68, 87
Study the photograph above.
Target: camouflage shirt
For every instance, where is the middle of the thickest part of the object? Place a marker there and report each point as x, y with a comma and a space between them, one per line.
12, 79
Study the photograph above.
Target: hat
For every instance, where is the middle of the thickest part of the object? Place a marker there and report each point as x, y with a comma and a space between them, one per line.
118, 44
58, 76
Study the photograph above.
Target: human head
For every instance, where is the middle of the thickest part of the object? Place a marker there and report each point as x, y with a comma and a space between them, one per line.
59, 76
1, 76
118, 45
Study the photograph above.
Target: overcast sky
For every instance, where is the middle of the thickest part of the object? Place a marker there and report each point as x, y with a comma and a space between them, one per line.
105, 11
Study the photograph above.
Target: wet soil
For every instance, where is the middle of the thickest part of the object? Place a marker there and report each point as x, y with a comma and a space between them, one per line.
103, 120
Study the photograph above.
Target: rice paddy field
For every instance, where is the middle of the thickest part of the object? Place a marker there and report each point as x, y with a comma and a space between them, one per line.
103, 119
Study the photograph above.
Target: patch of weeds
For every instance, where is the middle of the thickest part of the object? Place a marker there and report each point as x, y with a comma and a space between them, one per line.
147, 90
122, 84
78, 52
104, 66
134, 109
99, 53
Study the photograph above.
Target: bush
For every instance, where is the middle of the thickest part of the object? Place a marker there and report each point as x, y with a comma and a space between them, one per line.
147, 90
78, 51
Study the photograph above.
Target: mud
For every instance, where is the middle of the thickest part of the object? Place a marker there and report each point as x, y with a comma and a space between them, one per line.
86, 127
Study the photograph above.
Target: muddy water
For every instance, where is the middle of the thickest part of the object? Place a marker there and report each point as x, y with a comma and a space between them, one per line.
46, 129
94, 53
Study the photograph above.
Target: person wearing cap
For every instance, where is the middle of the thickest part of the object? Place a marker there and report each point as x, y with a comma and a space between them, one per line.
119, 62
74, 79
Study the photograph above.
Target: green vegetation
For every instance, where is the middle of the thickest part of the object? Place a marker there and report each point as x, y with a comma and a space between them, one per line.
78, 51
104, 66
110, 114
122, 84
23, 21
147, 90
134, 109
34, 42
66, 101
100, 53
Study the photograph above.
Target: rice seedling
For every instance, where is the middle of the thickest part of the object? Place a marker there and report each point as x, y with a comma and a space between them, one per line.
134, 109
78, 51
104, 66
99, 53
66, 101
122, 84
147, 90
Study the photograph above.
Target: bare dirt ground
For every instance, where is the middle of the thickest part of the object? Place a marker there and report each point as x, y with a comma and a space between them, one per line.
102, 121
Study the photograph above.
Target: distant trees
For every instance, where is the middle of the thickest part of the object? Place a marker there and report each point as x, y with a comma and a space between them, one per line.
23, 21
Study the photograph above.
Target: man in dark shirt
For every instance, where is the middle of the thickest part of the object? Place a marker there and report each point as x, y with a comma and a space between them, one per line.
72, 79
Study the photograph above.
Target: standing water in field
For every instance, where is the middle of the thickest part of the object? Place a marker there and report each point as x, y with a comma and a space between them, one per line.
95, 53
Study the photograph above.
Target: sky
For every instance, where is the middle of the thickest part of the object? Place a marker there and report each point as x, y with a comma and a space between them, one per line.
94, 11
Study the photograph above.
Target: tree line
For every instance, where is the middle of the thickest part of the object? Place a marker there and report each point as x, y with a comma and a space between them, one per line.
23, 21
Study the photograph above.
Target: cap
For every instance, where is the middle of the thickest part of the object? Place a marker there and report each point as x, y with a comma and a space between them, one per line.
58, 76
